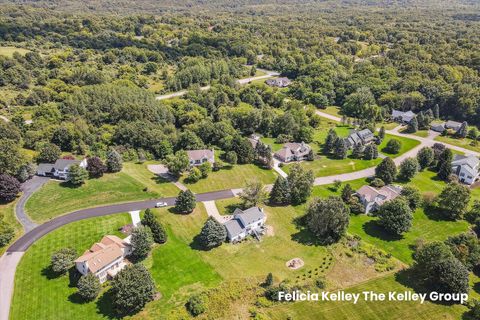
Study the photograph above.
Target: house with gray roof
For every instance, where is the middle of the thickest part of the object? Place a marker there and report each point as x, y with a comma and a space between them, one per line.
279, 82
60, 168
197, 157
466, 168
245, 223
363, 137
403, 117
293, 151
454, 125
439, 127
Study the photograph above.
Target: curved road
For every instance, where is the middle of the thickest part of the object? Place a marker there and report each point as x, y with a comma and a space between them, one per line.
10, 260
268, 74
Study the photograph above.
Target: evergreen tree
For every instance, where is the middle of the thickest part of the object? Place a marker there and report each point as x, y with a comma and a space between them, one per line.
89, 287
280, 193
381, 133
114, 161
158, 232
340, 149
463, 130
131, 289
386, 170
213, 234
63, 259
357, 151
141, 242
436, 112
185, 202
269, 280
77, 175
444, 165
347, 193
421, 120
330, 141
413, 125
370, 152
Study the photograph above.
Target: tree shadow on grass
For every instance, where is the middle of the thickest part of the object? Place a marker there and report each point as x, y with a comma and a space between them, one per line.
304, 236
48, 273
66, 184
73, 277
410, 278
434, 213
196, 244
105, 306
374, 229
76, 298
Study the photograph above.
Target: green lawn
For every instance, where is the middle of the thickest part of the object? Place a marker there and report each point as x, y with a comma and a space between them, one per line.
423, 227
366, 310
7, 215
231, 177
57, 198
156, 184
41, 295
332, 110
8, 51
407, 144
464, 143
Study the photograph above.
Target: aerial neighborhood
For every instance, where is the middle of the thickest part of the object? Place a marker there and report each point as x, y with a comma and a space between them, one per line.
209, 160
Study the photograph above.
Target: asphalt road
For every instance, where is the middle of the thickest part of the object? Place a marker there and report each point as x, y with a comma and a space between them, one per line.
23, 243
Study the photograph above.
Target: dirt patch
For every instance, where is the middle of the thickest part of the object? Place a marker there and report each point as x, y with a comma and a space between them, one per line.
269, 231
295, 263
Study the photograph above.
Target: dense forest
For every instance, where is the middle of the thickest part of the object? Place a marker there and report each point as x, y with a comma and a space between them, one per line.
88, 82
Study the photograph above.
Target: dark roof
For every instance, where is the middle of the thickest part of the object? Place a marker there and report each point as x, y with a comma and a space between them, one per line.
62, 164
45, 167
234, 227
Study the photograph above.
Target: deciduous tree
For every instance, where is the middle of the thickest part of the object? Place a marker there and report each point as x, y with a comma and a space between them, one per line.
328, 219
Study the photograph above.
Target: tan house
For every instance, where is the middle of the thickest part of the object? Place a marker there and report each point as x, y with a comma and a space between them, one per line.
197, 157
105, 258
373, 198
293, 152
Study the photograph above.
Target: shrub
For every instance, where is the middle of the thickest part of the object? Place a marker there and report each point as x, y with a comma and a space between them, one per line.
89, 287
196, 305
393, 146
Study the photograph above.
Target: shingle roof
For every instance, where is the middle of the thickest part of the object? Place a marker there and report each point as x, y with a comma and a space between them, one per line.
234, 227
470, 161
382, 195
200, 154
250, 215
45, 167
103, 253
452, 124
62, 164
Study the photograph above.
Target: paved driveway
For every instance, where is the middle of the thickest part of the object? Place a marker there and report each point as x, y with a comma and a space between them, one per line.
8, 265
28, 188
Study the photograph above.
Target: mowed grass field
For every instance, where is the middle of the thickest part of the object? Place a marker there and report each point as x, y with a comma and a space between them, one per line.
231, 177
383, 310
424, 227
39, 294
7, 215
464, 143
57, 198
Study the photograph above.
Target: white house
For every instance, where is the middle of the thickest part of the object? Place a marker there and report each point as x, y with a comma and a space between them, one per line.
373, 198
293, 152
466, 168
60, 168
244, 223
279, 82
105, 258
197, 157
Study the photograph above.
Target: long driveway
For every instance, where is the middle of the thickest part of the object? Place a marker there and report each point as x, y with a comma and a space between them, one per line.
28, 188
268, 74
9, 261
